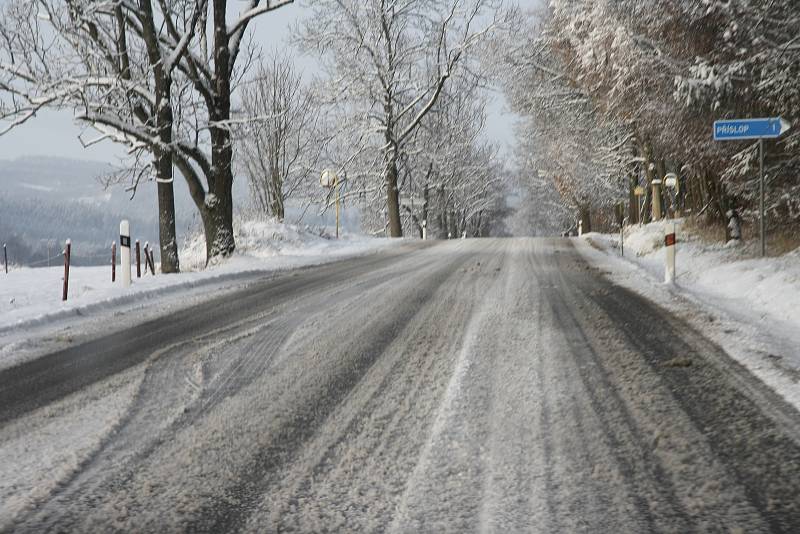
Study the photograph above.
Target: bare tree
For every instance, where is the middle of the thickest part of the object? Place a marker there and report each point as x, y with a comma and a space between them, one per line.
142, 75
390, 63
105, 62
279, 147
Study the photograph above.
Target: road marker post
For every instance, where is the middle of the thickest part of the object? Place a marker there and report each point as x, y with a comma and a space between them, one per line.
670, 242
760, 129
67, 255
5, 256
113, 262
125, 251
424, 230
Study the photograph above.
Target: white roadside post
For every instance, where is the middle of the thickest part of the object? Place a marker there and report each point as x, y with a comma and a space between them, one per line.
125, 252
424, 230
670, 242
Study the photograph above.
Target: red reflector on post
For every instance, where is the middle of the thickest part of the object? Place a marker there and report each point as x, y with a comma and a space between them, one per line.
669, 240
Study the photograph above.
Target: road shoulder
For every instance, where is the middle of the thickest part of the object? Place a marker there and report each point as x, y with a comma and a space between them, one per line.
761, 350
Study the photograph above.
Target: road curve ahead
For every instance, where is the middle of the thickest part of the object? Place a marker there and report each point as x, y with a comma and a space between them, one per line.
469, 386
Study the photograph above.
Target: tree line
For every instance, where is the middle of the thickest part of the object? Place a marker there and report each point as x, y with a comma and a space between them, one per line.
617, 93
396, 110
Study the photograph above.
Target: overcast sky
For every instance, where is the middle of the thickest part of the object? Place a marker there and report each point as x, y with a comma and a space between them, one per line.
55, 134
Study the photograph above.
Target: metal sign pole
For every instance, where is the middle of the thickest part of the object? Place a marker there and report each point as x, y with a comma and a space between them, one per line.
338, 202
762, 210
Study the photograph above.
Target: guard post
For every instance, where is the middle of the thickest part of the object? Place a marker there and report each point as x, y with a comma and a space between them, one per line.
670, 241
125, 252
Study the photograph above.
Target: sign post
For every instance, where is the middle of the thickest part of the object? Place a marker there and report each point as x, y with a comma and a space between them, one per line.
328, 180
125, 252
743, 129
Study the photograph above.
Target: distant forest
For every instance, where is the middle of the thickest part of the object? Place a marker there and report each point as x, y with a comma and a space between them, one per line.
27, 226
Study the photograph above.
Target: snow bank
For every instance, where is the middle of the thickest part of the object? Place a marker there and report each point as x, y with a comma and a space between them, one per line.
725, 274
750, 304
32, 296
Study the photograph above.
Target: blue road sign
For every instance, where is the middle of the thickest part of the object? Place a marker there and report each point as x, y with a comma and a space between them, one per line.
737, 130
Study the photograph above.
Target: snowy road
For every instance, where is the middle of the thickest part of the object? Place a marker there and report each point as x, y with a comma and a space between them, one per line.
479, 385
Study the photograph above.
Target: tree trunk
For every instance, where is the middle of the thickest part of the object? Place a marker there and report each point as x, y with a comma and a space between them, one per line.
633, 201
393, 200
586, 219
217, 212
217, 216
166, 218
164, 173
163, 125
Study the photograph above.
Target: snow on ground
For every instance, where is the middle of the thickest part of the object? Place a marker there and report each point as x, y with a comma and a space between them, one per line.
748, 305
60, 448
30, 298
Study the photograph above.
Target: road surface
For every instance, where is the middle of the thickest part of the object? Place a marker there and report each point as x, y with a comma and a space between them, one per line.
468, 386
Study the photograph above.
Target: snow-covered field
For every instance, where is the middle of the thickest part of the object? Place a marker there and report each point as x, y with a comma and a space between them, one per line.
30, 298
748, 305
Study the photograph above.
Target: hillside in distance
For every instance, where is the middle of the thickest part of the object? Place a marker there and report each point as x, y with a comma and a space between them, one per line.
44, 201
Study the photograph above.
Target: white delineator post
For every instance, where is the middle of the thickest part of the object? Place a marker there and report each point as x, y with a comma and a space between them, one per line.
125, 252
670, 241
424, 230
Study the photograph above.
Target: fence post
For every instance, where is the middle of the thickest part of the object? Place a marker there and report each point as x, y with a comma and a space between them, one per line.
138, 260
67, 254
5, 256
147, 252
114, 262
152, 262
